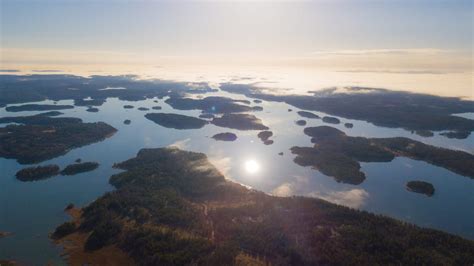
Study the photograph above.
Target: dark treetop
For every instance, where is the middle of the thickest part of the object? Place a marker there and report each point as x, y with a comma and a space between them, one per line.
173, 207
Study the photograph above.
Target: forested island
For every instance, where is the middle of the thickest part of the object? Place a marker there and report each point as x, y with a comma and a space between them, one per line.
265, 136
77, 168
306, 114
37, 173
212, 104
226, 136
176, 121
41, 137
239, 121
338, 155
37, 107
421, 187
174, 207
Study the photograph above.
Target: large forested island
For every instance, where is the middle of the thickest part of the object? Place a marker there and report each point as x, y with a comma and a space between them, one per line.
41, 137
338, 155
174, 207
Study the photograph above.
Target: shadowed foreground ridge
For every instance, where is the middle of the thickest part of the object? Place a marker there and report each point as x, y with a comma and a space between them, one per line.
173, 207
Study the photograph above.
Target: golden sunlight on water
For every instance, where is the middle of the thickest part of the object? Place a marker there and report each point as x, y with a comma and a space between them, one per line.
251, 166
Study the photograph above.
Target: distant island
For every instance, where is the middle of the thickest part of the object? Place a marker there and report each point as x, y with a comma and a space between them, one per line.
168, 210
306, 114
394, 109
226, 136
37, 107
176, 121
92, 109
300, 122
421, 187
331, 120
239, 121
265, 136
77, 168
43, 137
211, 104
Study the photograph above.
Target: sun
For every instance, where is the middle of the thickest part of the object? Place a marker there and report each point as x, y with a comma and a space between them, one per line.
252, 166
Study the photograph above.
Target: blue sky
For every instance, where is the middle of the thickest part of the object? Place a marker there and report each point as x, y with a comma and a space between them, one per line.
283, 29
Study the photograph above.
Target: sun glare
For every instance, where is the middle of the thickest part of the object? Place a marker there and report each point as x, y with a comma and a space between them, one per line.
252, 167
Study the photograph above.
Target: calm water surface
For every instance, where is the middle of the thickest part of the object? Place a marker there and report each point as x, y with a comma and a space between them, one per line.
31, 210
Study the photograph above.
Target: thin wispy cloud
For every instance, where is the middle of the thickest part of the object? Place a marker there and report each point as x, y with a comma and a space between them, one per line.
365, 52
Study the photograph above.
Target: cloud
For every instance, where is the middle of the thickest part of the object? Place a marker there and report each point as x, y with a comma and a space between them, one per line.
284, 190
223, 164
365, 52
180, 144
353, 198
47, 71
387, 71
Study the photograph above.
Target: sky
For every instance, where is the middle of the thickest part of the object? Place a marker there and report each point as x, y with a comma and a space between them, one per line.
392, 36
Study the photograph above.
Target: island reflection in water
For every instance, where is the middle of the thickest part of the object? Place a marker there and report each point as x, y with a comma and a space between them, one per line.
246, 160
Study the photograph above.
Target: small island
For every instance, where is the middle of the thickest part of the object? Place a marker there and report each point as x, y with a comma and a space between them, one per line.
301, 122
348, 125
306, 114
331, 120
257, 108
37, 107
127, 121
128, 106
264, 136
37, 173
156, 108
89, 102
206, 116
456, 134
239, 121
92, 109
421, 187
212, 104
257, 101
176, 121
143, 108
78, 168
172, 207
424, 133
227, 136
